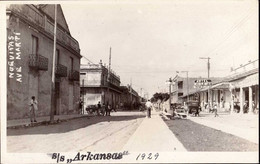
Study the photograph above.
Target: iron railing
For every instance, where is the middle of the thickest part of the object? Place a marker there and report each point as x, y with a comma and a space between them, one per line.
74, 75
61, 70
38, 62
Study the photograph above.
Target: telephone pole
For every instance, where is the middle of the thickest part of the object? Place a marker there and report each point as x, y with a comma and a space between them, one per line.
53, 67
108, 75
131, 94
208, 66
170, 83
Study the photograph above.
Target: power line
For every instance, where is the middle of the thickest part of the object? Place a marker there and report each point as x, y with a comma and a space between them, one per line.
87, 59
232, 30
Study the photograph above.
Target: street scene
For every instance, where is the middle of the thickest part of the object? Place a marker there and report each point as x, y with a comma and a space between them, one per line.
133, 77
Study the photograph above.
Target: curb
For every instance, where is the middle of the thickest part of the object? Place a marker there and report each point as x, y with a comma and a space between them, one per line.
46, 123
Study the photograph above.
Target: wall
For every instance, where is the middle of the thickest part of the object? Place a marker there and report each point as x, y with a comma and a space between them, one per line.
19, 93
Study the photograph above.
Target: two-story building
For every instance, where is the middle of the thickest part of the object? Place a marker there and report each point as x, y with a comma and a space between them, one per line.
129, 97
30, 47
98, 83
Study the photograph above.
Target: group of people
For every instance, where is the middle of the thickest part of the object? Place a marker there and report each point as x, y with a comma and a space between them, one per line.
100, 109
104, 109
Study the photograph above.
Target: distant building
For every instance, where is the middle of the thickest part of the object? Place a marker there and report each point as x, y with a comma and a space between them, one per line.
30, 33
97, 84
240, 87
183, 88
129, 97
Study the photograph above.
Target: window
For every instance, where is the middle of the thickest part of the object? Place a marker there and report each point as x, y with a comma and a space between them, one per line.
180, 84
34, 45
71, 63
57, 57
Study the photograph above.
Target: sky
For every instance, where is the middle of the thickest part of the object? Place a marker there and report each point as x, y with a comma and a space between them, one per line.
151, 40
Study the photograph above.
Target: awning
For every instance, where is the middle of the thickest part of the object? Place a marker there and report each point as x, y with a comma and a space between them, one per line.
221, 86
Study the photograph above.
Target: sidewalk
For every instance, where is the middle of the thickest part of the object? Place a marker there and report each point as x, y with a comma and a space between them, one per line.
242, 125
27, 122
153, 135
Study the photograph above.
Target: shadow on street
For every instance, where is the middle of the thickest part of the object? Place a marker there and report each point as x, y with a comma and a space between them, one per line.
70, 125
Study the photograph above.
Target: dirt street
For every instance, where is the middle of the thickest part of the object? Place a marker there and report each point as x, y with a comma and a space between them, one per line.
96, 133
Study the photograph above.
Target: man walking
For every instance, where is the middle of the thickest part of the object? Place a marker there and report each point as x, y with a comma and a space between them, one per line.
33, 107
148, 105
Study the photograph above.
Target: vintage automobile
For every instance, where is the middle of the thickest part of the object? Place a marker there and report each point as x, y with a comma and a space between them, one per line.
193, 107
92, 109
178, 111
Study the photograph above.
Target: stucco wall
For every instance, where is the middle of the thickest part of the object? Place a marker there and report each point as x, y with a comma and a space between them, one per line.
19, 93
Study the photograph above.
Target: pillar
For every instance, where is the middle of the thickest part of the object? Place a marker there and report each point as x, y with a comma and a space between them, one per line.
250, 99
231, 102
241, 100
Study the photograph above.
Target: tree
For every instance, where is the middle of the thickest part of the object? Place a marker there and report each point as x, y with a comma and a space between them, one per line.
159, 98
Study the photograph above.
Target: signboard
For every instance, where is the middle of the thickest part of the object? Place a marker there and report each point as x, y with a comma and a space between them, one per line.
202, 83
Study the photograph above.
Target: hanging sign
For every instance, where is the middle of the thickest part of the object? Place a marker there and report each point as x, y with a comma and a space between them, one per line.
202, 83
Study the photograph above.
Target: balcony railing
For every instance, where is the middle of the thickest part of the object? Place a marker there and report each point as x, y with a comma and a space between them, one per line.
74, 75
33, 15
38, 62
61, 70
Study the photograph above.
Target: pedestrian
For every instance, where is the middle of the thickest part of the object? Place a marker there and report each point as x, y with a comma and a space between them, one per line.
215, 110
108, 108
245, 107
98, 108
253, 107
81, 106
33, 108
149, 107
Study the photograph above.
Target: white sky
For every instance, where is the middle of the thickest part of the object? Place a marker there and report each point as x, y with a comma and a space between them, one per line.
151, 40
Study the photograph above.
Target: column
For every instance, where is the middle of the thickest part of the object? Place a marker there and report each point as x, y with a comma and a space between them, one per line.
231, 102
250, 99
241, 100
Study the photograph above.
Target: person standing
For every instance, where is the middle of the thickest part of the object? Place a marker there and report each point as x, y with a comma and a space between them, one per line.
107, 108
98, 108
215, 109
81, 110
33, 108
148, 105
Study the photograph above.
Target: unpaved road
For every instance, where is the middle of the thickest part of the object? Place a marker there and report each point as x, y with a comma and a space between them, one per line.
84, 134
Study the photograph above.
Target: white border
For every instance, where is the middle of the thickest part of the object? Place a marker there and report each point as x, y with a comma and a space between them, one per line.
187, 157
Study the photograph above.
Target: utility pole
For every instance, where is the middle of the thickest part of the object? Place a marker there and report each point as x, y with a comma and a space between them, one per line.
131, 94
208, 66
108, 76
83, 92
170, 83
53, 67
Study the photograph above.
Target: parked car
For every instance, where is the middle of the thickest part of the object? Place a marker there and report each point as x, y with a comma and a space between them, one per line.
193, 107
178, 111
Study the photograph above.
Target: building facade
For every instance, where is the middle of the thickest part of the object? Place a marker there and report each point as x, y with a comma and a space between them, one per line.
30, 44
183, 88
240, 88
129, 98
99, 84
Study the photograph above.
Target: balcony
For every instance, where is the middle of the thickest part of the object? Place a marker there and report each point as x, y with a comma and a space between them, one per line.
74, 75
61, 70
38, 62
